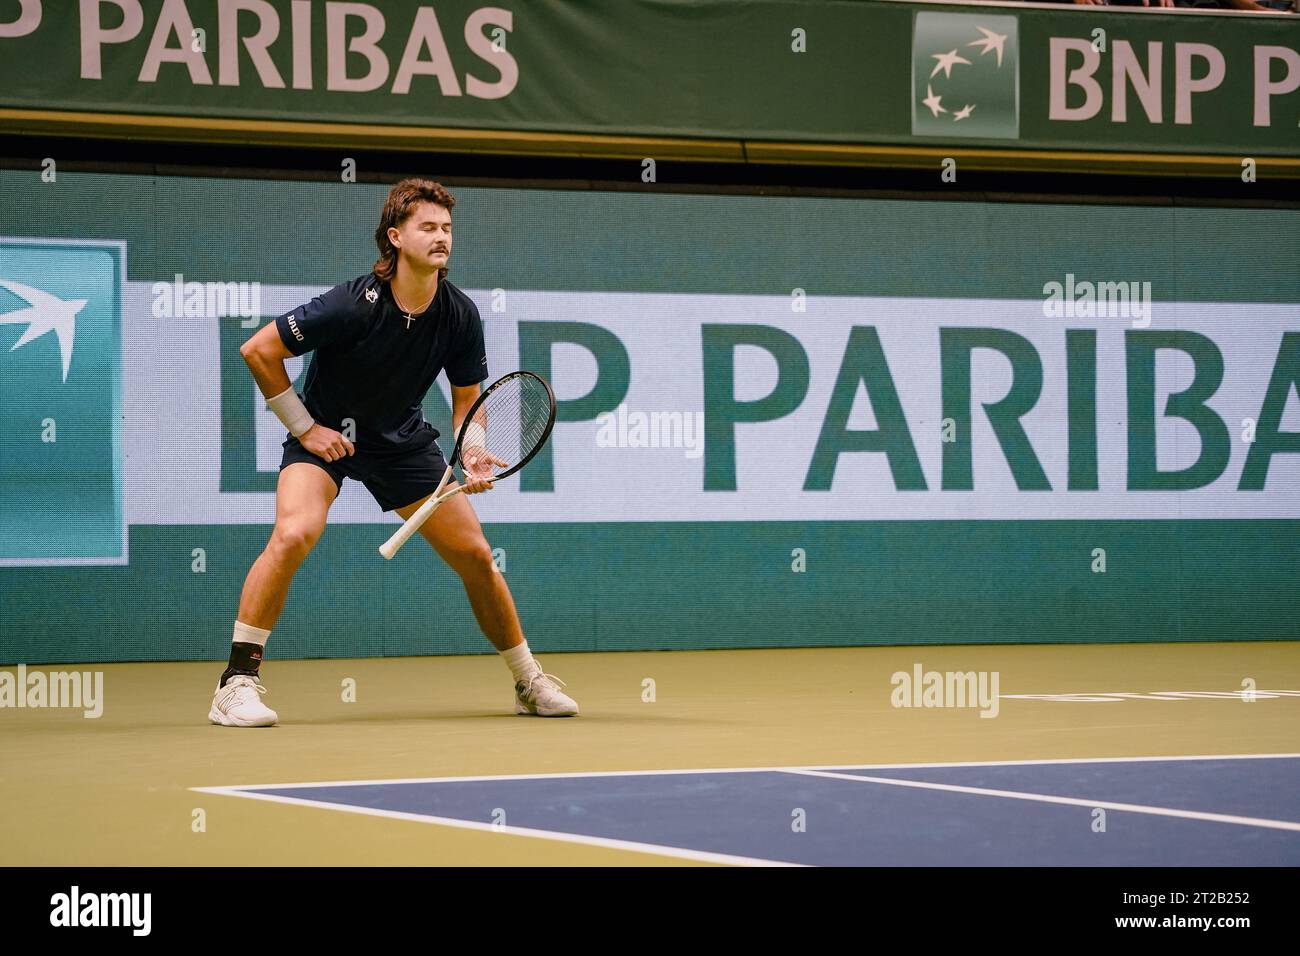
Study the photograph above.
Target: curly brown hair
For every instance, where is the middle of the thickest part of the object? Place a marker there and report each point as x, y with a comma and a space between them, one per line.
398, 207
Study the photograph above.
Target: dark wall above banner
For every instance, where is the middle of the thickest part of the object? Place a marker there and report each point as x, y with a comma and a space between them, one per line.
813, 81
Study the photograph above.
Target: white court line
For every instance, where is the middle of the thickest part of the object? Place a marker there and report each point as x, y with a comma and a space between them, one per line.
555, 835
705, 856
1068, 801
697, 770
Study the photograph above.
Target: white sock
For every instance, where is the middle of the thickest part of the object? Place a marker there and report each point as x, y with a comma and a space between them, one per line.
247, 634
520, 661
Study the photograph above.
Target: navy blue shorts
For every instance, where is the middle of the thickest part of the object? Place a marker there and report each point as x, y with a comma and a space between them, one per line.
395, 479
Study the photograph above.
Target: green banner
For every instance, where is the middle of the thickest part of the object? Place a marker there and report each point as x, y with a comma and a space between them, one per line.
811, 72
913, 422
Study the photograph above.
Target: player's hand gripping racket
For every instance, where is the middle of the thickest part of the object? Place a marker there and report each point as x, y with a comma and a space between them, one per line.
507, 425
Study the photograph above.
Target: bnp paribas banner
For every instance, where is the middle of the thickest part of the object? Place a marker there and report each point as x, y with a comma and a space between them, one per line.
1095, 403
930, 420
768, 71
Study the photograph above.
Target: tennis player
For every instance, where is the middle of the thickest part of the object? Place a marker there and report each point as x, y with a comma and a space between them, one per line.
378, 343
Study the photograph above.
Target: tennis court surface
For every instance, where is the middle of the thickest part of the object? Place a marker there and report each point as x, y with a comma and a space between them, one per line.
763, 756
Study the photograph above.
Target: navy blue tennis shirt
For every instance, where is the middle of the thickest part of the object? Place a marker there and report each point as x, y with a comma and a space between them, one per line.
373, 365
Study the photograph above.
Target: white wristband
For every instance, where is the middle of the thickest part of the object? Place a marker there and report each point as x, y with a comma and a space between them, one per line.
475, 436
289, 408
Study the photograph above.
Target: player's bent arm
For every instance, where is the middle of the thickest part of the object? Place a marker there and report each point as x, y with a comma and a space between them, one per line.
462, 397
264, 354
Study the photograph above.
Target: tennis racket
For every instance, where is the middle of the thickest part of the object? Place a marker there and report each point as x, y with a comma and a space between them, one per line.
506, 426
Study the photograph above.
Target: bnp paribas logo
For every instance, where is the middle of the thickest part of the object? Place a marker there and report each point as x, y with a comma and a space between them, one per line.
965, 76
60, 402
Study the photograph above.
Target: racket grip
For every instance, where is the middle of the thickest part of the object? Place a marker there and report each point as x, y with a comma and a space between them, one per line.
412, 524
408, 528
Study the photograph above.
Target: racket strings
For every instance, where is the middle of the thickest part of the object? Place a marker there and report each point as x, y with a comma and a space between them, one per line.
514, 419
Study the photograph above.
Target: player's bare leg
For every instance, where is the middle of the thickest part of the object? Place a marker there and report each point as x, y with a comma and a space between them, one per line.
455, 533
457, 536
303, 497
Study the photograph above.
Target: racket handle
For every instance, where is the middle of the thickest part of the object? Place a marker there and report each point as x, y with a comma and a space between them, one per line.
413, 523
408, 528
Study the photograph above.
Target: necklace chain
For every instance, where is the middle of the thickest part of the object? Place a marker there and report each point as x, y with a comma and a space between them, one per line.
409, 313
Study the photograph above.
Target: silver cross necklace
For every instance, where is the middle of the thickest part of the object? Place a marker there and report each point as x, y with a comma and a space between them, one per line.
410, 313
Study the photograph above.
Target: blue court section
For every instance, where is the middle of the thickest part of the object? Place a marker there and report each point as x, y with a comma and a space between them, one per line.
859, 822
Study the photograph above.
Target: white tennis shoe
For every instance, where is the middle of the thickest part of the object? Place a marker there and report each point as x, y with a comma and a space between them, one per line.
540, 695
239, 704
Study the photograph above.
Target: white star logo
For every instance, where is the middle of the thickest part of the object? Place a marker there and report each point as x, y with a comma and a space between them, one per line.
991, 41
964, 112
47, 313
946, 63
933, 101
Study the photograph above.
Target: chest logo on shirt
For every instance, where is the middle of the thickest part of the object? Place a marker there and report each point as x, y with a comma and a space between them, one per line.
371, 295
